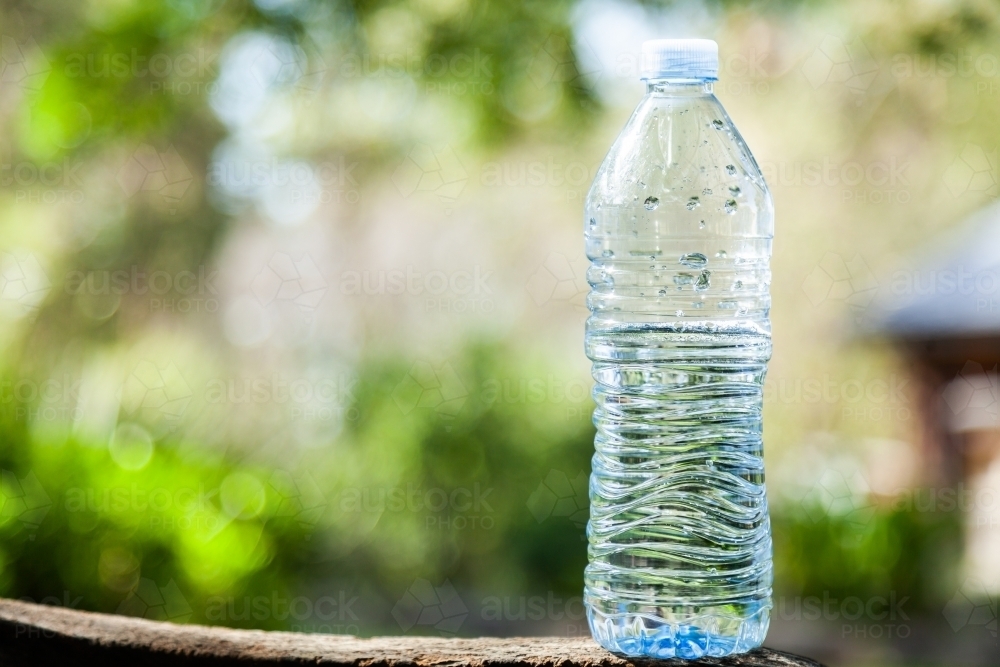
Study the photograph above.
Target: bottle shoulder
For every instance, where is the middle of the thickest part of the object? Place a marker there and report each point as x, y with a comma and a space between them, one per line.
683, 156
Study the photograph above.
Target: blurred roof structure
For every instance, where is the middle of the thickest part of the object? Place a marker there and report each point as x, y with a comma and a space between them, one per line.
955, 295
945, 319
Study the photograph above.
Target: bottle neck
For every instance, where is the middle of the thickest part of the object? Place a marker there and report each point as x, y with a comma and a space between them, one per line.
679, 87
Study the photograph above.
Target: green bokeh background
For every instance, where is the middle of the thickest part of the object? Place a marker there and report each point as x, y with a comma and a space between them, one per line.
448, 469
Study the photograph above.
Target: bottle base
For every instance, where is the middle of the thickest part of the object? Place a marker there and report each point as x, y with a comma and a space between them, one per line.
640, 636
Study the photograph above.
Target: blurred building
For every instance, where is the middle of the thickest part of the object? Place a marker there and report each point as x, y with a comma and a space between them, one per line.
946, 321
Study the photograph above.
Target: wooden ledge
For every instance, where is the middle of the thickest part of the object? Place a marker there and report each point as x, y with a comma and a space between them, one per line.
38, 635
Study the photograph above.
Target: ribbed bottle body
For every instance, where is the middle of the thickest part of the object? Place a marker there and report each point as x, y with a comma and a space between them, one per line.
678, 228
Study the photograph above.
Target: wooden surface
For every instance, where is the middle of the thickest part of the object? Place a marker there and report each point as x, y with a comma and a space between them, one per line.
38, 635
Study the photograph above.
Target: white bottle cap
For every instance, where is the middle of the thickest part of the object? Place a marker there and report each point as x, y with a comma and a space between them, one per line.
680, 59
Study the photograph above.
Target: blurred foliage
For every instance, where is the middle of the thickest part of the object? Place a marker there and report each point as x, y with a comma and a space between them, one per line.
434, 493
211, 517
900, 550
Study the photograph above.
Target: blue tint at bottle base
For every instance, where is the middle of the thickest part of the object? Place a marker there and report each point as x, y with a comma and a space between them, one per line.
636, 636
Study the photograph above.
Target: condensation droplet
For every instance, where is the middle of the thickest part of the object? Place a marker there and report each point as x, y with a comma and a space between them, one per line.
706, 191
718, 124
608, 253
695, 260
701, 225
734, 190
693, 203
704, 280
662, 292
721, 253
682, 279
651, 203
731, 170
738, 284
730, 206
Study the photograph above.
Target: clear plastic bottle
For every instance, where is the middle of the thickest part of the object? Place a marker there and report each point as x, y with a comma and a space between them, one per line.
679, 225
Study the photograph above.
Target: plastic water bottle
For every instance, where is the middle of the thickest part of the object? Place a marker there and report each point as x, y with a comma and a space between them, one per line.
679, 225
